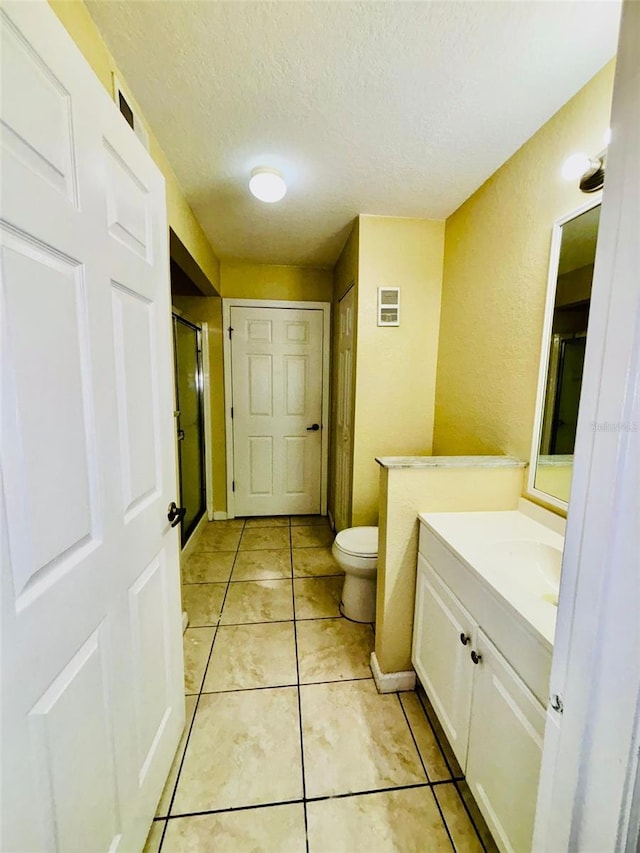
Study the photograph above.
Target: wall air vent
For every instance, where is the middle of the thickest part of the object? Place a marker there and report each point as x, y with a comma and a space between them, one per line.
131, 117
388, 306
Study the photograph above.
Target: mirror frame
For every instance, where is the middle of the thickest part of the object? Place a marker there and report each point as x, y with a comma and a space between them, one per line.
543, 369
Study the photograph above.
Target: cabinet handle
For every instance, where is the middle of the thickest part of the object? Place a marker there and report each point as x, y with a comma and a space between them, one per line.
464, 639
476, 658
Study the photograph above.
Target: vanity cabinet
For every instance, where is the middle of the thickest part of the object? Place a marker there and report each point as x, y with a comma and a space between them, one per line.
494, 722
443, 635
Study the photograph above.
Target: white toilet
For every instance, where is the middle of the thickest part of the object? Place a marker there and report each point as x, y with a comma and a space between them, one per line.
356, 551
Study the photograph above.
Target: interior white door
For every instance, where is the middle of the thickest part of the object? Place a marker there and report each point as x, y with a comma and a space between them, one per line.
277, 382
344, 413
92, 698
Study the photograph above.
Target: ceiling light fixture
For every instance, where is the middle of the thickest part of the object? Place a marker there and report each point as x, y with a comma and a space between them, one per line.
590, 170
267, 184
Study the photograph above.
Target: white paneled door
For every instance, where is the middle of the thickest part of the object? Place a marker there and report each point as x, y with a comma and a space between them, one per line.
277, 382
92, 704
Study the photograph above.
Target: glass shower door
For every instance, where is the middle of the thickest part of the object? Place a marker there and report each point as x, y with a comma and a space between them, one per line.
189, 422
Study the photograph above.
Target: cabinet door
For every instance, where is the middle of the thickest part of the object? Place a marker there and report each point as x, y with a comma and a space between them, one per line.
505, 749
440, 658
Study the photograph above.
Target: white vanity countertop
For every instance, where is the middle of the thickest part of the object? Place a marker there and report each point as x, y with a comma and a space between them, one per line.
513, 554
449, 462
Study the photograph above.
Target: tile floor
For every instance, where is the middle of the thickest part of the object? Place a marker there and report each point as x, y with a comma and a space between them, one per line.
288, 746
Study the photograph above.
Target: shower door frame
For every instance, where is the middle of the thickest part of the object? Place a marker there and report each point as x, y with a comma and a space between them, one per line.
204, 418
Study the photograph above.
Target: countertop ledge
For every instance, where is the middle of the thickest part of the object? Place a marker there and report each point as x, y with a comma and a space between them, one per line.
450, 462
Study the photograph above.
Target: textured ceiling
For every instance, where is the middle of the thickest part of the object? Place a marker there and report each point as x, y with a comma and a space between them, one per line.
392, 108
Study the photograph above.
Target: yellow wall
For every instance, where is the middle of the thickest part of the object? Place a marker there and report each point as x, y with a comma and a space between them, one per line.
78, 22
345, 275
269, 281
404, 492
495, 277
395, 366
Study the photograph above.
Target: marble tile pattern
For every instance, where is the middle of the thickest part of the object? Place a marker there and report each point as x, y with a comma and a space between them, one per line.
450, 462
288, 745
311, 536
277, 829
314, 562
208, 567
262, 565
244, 750
333, 650
264, 538
197, 644
203, 602
355, 740
250, 656
405, 821
317, 598
258, 601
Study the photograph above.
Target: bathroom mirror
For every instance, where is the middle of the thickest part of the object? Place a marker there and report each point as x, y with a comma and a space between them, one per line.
573, 250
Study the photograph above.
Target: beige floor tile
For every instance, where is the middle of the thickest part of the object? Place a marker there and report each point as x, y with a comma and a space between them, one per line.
313, 536
244, 750
437, 769
456, 817
264, 538
262, 565
276, 829
389, 822
197, 645
154, 838
218, 537
316, 598
306, 520
248, 656
170, 784
333, 650
203, 602
208, 567
310, 562
258, 601
267, 521
355, 739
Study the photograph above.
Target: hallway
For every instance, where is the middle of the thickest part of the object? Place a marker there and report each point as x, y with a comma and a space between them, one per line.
288, 745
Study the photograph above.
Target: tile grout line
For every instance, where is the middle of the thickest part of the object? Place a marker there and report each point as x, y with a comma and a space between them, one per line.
195, 710
295, 639
424, 768
455, 777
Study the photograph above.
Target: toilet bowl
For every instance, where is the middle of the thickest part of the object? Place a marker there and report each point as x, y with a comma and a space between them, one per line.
356, 551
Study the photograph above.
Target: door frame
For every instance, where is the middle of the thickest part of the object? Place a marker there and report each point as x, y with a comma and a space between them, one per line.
325, 307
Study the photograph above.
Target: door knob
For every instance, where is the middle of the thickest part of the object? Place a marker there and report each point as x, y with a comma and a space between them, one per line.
175, 514
475, 657
314, 427
464, 638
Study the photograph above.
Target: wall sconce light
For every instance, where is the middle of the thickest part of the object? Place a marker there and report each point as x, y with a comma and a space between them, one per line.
590, 170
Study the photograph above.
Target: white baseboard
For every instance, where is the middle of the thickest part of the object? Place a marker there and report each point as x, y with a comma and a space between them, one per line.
391, 682
218, 515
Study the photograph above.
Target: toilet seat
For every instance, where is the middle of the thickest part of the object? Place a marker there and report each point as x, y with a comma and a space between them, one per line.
358, 541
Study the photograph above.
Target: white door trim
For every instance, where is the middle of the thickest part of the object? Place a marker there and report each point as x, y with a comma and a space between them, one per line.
590, 778
325, 307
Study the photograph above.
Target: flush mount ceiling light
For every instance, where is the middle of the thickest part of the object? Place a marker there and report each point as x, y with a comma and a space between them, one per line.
267, 184
590, 170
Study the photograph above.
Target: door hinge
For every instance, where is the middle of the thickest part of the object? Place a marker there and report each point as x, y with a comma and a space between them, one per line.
233, 485
231, 412
230, 330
